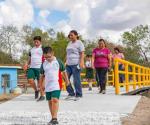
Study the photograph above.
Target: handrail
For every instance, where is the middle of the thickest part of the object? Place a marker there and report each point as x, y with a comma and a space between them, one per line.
140, 75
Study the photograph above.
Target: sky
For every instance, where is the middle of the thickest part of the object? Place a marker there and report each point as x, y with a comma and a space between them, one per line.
91, 18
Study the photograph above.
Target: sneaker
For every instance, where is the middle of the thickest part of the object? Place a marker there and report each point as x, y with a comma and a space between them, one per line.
69, 97
103, 92
53, 122
100, 90
90, 88
41, 98
77, 98
36, 94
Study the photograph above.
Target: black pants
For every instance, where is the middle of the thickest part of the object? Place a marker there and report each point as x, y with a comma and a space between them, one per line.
121, 76
101, 74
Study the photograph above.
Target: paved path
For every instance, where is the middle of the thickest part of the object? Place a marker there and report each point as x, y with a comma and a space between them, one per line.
92, 109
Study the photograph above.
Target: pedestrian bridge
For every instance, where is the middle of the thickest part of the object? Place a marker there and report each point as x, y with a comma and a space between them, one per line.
135, 76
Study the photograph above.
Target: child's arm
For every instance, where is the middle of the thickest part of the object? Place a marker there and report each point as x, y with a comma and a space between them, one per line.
42, 76
41, 81
65, 76
93, 59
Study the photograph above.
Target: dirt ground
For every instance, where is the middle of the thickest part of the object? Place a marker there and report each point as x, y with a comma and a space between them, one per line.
141, 114
6, 97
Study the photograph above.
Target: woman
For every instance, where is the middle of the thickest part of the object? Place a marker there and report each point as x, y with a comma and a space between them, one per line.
119, 55
101, 60
74, 63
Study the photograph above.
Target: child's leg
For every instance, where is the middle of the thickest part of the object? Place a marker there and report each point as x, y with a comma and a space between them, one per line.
32, 83
55, 103
42, 93
31, 77
50, 106
90, 82
54, 107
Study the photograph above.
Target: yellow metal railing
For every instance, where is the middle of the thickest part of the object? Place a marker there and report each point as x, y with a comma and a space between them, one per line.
110, 80
135, 75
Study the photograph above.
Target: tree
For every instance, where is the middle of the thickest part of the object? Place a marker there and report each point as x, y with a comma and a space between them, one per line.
59, 46
6, 59
9, 38
24, 57
30, 33
138, 42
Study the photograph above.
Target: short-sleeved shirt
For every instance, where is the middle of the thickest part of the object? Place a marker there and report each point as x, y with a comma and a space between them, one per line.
119, 55
101, 57
73, 52
52, 70
36, 54
88, 64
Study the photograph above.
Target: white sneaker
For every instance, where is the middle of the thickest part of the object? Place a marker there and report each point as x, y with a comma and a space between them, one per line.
103, 92
69, 97
77, 98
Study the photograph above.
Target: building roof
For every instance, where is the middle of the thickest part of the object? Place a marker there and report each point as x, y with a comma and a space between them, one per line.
15, 66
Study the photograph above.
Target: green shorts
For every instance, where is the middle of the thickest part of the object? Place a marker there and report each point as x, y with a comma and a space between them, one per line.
53, 94
33, 73
89, 73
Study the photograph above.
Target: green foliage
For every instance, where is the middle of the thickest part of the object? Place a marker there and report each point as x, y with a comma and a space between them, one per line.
6, 59
24, 57
137, 43
9, 37
59, 46
46, 40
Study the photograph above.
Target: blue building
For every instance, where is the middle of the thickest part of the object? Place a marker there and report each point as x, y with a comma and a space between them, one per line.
8, 78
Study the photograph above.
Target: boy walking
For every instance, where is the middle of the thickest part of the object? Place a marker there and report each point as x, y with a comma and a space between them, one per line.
50, 70
89, 71
34, 64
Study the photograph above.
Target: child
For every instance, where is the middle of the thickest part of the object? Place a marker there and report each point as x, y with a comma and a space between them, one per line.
50, 70
34, 64
89, 71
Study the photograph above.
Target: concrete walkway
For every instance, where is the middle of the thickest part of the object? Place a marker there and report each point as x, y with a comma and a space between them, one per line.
92, 109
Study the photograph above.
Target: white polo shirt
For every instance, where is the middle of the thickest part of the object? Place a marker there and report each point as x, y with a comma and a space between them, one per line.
36, 54
51, 71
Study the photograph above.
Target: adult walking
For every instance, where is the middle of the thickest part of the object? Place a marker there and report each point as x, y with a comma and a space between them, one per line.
101, 61
118, 54
74, 63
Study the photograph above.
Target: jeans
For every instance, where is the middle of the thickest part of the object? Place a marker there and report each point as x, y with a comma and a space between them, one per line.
73, 70
121, 76
101, 73
97, 80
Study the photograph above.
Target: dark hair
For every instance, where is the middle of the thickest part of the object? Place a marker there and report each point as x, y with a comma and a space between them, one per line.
100, 40
37, 38
75, 33
116, 48
47, 49
88, 55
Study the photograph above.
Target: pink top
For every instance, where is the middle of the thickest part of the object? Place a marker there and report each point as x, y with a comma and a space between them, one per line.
119, 55
101, 57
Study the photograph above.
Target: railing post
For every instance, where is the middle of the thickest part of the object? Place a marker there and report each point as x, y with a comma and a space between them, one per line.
148, 77
134, 78
116, 75
113, 78
139, 77
143, 76
126, 77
